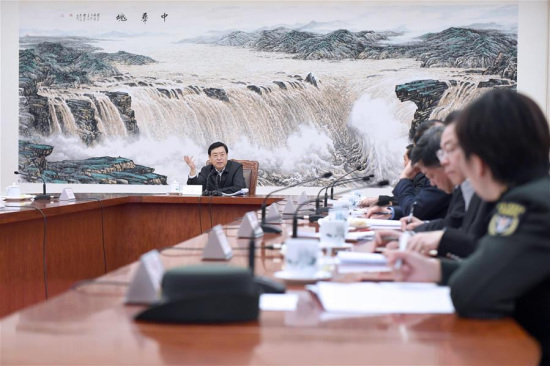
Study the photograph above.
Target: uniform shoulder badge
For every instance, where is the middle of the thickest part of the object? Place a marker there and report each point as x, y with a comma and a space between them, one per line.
506, 219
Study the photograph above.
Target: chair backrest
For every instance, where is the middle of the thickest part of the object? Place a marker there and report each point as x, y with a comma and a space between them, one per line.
250, 172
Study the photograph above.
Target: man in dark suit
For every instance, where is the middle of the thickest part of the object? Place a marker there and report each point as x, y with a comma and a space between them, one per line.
221, 176
459, 239
431, 202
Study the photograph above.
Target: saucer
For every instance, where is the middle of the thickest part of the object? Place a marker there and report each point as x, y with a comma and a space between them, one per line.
332, 246
22, 197
317, 276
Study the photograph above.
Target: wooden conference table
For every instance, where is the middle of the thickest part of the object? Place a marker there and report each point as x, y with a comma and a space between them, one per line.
90, 325
96, 234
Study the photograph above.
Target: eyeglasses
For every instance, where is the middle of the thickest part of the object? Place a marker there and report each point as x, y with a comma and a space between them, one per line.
443, 154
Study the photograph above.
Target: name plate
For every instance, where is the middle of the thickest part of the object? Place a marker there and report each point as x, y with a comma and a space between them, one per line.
145, 286
190, 190
218, 247
67, 195
250, 227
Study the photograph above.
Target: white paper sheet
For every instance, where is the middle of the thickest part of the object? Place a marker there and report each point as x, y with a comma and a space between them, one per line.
357, 262
278, 302
353, 236
362, 258
360, 235
385, 298
362, 268
384, 224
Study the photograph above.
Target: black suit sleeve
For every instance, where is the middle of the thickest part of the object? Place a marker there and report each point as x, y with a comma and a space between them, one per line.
201, 178
437, 224
432, 203
457, 242
463, 241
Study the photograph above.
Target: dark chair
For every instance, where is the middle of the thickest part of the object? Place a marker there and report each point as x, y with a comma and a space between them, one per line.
250, 171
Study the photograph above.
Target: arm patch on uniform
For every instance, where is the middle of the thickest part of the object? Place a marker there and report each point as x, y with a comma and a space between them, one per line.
506, 219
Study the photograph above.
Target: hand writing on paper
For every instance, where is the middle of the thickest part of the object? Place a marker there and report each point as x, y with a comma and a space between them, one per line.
377, 212
423, 243
405, 225
382, 237
415, 267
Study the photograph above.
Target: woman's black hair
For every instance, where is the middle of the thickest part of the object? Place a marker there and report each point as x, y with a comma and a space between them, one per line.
509, 132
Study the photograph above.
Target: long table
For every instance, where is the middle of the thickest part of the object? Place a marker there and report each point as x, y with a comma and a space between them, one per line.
91, 325
96, 234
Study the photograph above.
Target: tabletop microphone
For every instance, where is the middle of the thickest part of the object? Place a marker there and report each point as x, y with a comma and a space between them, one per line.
366, 178
218, 179
332, 185
271, 229
206, 192
359, 167
266, 285
320, 210
313, 218
42, 196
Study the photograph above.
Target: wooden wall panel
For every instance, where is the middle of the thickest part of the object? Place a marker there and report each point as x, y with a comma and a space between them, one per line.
128, 226
74, 249
136, 228
21, 265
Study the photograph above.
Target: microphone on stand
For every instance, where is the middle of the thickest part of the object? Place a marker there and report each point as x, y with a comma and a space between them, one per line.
217, 179
271, 229
42, 196
319, 210
206, 192
381, 183
359, 167
265, 284
332, 188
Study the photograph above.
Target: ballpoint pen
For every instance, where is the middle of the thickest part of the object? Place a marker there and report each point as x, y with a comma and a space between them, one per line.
403, 241
409, 219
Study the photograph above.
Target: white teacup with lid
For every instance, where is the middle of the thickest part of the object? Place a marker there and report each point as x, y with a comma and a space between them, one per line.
301, 256
333, 232
13, 191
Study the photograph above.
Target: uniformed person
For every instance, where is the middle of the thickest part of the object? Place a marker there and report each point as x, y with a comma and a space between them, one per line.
505, 143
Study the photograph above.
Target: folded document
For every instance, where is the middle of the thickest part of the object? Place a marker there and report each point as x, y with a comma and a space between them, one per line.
361, 258
385, 298
357, 262
353, 236
241, 192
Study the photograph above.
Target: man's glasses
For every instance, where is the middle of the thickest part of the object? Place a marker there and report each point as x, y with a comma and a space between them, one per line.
444, 154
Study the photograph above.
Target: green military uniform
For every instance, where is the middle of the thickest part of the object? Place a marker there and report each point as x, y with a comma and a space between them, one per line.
509, 273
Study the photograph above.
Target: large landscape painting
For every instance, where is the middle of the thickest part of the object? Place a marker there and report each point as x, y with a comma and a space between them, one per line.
119, 92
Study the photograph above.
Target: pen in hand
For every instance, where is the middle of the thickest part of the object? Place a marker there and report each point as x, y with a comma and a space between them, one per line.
403, 241
409, 219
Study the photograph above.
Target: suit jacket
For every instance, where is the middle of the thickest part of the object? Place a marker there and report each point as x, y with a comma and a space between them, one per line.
453, 218
462, 242
432, 203
231, 180
508, 274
